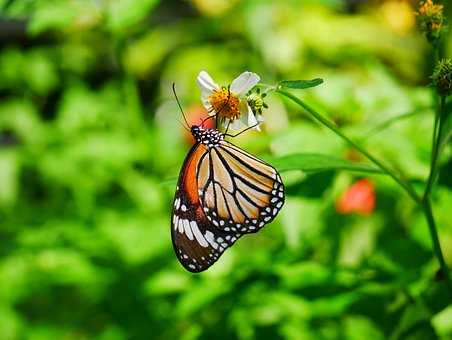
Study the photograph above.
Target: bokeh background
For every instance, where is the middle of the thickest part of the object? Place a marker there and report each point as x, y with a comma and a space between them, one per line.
91, 144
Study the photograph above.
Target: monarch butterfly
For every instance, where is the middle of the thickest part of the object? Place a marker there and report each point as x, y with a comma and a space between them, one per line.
222, 193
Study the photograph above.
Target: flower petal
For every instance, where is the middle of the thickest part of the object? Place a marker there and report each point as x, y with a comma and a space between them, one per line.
251, 119
237, 124
206, 84
244, 82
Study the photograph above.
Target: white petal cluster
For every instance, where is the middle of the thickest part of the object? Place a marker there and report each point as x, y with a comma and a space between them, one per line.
239, 88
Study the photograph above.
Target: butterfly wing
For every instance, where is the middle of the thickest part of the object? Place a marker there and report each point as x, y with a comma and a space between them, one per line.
239, 192
197, 243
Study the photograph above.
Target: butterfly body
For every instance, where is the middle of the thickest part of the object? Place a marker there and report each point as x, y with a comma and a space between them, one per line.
222, 193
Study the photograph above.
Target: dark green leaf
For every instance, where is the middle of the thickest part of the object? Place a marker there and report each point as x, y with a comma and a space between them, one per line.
310, 162
300, 84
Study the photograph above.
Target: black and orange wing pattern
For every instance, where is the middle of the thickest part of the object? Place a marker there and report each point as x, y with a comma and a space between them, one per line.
223, 193
239, 192
196, 241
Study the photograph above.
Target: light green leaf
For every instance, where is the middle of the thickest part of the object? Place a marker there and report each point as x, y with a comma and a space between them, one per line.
9, 177
123, 14
311, 162
300, 84
51, 16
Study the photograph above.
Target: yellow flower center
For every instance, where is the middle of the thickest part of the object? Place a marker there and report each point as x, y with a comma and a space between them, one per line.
225, 104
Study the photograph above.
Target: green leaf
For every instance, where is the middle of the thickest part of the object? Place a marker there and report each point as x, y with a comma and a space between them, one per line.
123, 14
311, 163
300, 84
51, 16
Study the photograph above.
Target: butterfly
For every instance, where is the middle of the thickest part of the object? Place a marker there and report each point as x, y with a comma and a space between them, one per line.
223, 193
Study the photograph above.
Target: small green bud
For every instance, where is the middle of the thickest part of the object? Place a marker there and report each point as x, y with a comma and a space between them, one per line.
442, 77
256, 102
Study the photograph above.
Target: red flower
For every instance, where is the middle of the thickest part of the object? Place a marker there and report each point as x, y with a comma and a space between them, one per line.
195, 115
358, 198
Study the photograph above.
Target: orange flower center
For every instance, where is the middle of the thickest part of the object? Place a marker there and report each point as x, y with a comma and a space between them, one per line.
225, 104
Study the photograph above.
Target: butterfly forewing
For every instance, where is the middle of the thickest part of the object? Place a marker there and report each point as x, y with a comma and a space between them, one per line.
197, 243
239, 192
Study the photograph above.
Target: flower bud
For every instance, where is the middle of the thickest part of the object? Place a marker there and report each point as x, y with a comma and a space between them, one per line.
431, 20
442, 77
256, 102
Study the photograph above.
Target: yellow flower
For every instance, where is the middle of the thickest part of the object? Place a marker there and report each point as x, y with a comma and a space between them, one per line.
431, 19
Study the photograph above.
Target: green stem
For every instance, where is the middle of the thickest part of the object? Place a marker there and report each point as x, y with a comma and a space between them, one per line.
330, 125
427, 208
423, 202
437, 131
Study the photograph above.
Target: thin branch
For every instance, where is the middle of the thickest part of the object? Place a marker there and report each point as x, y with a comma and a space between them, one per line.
330, 125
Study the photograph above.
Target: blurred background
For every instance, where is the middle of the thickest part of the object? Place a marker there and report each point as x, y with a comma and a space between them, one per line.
91, 145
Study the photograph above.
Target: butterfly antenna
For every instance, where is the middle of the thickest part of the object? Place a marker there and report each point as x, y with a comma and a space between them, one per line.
207, 118
183, 125
180, 107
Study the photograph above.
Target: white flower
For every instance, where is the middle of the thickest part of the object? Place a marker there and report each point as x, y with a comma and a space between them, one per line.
229, 104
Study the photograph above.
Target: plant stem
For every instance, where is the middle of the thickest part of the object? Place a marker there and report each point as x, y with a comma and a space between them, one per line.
437, 131
426, 203
423, 202
427, 208
330, 125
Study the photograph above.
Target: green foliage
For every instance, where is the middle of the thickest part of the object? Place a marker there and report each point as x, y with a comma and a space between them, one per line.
318, 163
300, 84
90, 144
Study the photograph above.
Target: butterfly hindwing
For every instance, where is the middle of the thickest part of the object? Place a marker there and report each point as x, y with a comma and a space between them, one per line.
239, 192
197, 243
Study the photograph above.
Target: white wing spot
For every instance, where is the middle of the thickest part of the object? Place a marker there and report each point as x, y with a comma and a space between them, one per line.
201, 240
176, 221
180, 226
209, 237
187, 230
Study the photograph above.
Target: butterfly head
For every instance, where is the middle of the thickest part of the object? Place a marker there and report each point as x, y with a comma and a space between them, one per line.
209, 137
